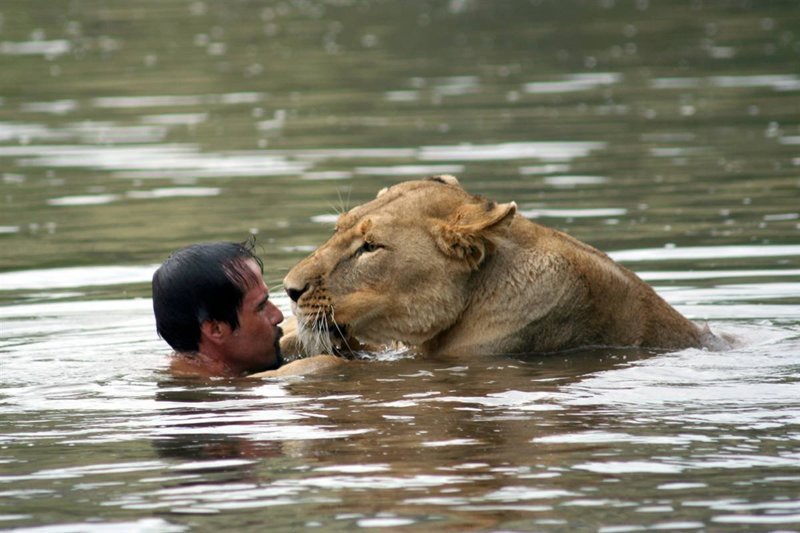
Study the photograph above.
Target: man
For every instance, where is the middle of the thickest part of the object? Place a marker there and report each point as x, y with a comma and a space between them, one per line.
213, 308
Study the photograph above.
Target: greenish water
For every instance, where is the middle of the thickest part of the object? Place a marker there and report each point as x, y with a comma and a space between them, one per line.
666, 133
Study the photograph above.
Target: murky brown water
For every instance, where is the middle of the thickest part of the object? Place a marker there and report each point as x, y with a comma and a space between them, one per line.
667, 133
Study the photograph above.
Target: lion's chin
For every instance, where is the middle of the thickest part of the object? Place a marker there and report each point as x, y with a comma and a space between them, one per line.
336, 340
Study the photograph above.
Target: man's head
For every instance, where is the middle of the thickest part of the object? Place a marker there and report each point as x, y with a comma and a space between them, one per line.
211, 298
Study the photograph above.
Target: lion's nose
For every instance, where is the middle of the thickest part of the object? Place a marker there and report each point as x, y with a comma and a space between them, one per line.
294, 293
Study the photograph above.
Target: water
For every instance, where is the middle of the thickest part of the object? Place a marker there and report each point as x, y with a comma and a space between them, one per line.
667, 133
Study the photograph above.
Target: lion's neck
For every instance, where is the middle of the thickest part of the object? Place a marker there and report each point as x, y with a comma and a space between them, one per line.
544, 291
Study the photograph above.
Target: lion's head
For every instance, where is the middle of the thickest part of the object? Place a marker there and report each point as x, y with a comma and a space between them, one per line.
397, 268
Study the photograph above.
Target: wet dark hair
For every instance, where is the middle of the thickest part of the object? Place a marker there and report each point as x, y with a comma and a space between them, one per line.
201, 282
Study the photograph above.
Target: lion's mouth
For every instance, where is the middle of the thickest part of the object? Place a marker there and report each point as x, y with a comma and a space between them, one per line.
323, 335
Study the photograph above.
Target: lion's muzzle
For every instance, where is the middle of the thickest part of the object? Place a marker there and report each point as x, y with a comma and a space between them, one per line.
295, 293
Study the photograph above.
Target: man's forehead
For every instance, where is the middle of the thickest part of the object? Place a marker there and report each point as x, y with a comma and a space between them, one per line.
254, 270
256, 294
243, 270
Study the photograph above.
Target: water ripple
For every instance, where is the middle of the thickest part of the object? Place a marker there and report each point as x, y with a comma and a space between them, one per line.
706, 252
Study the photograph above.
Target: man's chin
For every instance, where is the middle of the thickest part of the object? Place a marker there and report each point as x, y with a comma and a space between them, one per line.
278, 358
274, 363
276, 347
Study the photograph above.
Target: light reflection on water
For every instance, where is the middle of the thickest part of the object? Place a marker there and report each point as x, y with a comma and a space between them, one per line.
674, 427
574, 82
663, 133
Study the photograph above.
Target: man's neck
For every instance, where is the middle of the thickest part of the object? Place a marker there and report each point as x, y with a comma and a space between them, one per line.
202, 365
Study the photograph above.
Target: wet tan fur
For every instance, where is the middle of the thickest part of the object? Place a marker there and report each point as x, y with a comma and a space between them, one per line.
457, 274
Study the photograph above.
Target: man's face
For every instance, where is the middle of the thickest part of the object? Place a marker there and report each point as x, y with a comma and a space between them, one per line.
253, 346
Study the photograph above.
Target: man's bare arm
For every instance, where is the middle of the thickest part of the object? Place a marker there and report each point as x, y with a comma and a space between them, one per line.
301, 367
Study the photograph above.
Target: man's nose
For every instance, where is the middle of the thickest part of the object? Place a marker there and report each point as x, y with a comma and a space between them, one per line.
276, 316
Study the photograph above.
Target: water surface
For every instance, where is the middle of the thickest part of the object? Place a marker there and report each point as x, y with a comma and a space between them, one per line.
665, 133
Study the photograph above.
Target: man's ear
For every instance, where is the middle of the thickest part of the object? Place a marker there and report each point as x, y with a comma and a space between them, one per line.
214, 331
466, 234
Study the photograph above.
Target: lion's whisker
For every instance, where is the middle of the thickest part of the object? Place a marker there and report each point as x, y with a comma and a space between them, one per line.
314, 336
335, 210
346, 204
339, 330
324, 337
343, 204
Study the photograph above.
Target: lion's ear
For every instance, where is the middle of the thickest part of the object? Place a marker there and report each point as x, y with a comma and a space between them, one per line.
466, 235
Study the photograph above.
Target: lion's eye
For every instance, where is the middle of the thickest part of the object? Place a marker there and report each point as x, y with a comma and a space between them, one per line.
367, 247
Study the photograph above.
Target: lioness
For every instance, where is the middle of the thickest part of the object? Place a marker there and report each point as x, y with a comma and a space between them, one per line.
445, 272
